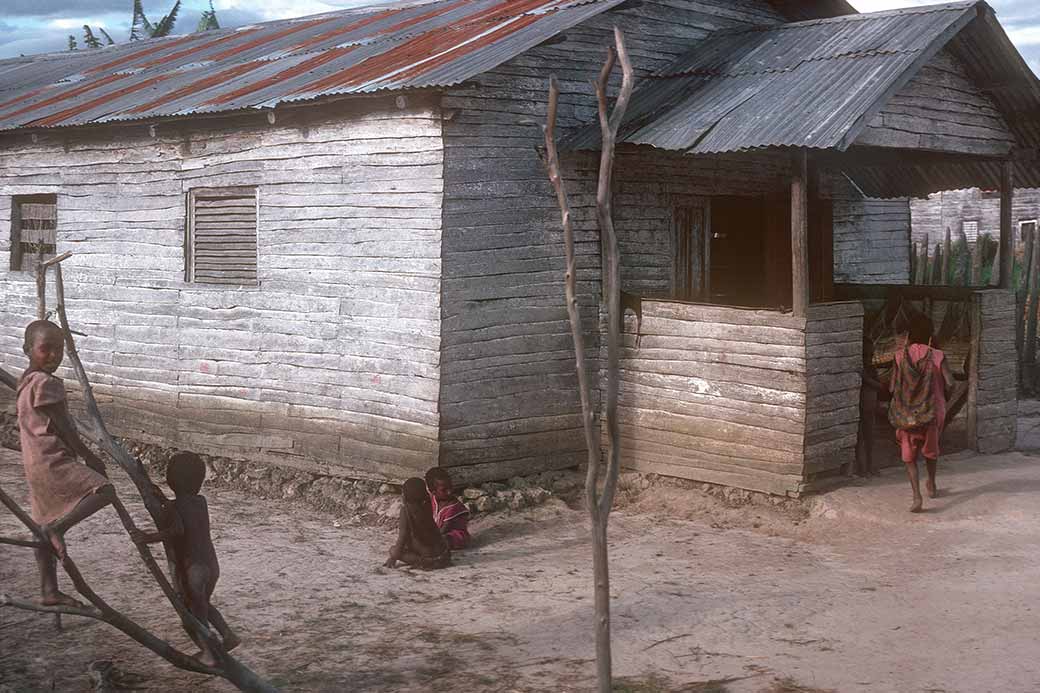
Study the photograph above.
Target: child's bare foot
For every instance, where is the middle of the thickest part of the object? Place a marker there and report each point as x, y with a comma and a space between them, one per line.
58, 599
918, 504
231, 641
56, 540
933, 492
206, 658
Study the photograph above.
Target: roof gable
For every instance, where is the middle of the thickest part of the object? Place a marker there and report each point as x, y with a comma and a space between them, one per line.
805, 84
405, 45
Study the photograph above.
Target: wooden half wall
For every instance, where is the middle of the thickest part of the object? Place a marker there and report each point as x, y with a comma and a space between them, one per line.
759, 400
993, 384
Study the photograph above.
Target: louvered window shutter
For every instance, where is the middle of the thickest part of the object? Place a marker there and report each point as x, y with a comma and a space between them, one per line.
34, 224
221, 239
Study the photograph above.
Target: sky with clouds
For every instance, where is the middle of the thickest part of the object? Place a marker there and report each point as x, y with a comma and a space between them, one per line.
38, 26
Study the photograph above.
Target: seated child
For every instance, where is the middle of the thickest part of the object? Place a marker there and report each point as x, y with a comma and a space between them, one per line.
419, 542
449, 513
62, 492
189, 546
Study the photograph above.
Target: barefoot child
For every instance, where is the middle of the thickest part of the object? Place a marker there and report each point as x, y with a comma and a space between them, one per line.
62, 492
419, 542
918, 408
449, 513
186, 535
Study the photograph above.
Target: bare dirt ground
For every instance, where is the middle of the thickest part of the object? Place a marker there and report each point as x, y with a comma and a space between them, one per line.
850, 593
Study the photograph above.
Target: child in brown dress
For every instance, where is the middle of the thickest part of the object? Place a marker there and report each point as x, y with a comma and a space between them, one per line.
62, 491
419, 541
189, 546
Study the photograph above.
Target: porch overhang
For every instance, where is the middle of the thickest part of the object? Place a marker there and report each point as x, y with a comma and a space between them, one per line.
816, 85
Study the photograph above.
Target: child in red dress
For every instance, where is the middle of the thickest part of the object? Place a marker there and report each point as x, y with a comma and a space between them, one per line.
449, 513
62, 492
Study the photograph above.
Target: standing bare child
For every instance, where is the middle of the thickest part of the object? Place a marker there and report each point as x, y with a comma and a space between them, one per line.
187, 536
62, 491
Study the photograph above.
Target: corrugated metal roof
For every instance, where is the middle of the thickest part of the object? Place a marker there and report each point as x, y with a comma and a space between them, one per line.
405, 45
804, 84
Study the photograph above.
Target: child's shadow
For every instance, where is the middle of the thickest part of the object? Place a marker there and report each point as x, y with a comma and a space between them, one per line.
500, 543
955, 497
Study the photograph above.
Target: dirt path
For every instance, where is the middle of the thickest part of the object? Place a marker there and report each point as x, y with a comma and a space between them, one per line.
859, 597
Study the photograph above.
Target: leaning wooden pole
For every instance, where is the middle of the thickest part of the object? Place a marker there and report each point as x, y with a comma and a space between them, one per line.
599, 500
227, 666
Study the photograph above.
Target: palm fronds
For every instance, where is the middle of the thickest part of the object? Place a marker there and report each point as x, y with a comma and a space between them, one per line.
165, 25
208, 20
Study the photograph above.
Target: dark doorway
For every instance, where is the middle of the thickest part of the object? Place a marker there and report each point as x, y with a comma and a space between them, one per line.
737, 251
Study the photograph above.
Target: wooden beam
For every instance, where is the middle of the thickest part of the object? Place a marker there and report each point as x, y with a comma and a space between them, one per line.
860, 292
799, 235
880, 157
1007, 232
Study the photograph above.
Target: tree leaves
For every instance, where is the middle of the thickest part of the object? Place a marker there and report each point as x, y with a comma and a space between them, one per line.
165, 25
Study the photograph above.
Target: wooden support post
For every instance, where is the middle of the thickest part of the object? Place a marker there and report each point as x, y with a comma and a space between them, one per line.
923, 263
945, 269
41, 287
1007, 233
1028, 354
1022, 296
799, 235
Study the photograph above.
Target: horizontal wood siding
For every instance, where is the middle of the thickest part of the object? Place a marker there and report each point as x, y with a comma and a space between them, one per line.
331, 363
834, 353
715, 394
993, 388
940, 109
949, 209
509, 402
871, 238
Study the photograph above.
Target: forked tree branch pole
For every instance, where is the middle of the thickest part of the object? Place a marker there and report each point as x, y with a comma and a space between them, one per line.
227, 666
599, 502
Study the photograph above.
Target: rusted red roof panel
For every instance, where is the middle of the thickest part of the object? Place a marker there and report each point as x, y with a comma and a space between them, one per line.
421, 43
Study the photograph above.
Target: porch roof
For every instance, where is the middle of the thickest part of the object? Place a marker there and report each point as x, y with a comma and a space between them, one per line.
817, 84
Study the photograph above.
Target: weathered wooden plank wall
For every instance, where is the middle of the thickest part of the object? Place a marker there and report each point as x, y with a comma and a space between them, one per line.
993, 384
871, 237
755, 399
949, 209
715, 394
331, 364
834, 356
508, 396
941, 108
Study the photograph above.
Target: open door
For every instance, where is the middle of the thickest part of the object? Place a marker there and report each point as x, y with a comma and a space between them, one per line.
691, 276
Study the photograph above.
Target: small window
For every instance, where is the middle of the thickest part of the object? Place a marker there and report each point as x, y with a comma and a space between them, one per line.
220, 245
34, 224
1027, 228
970, 229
